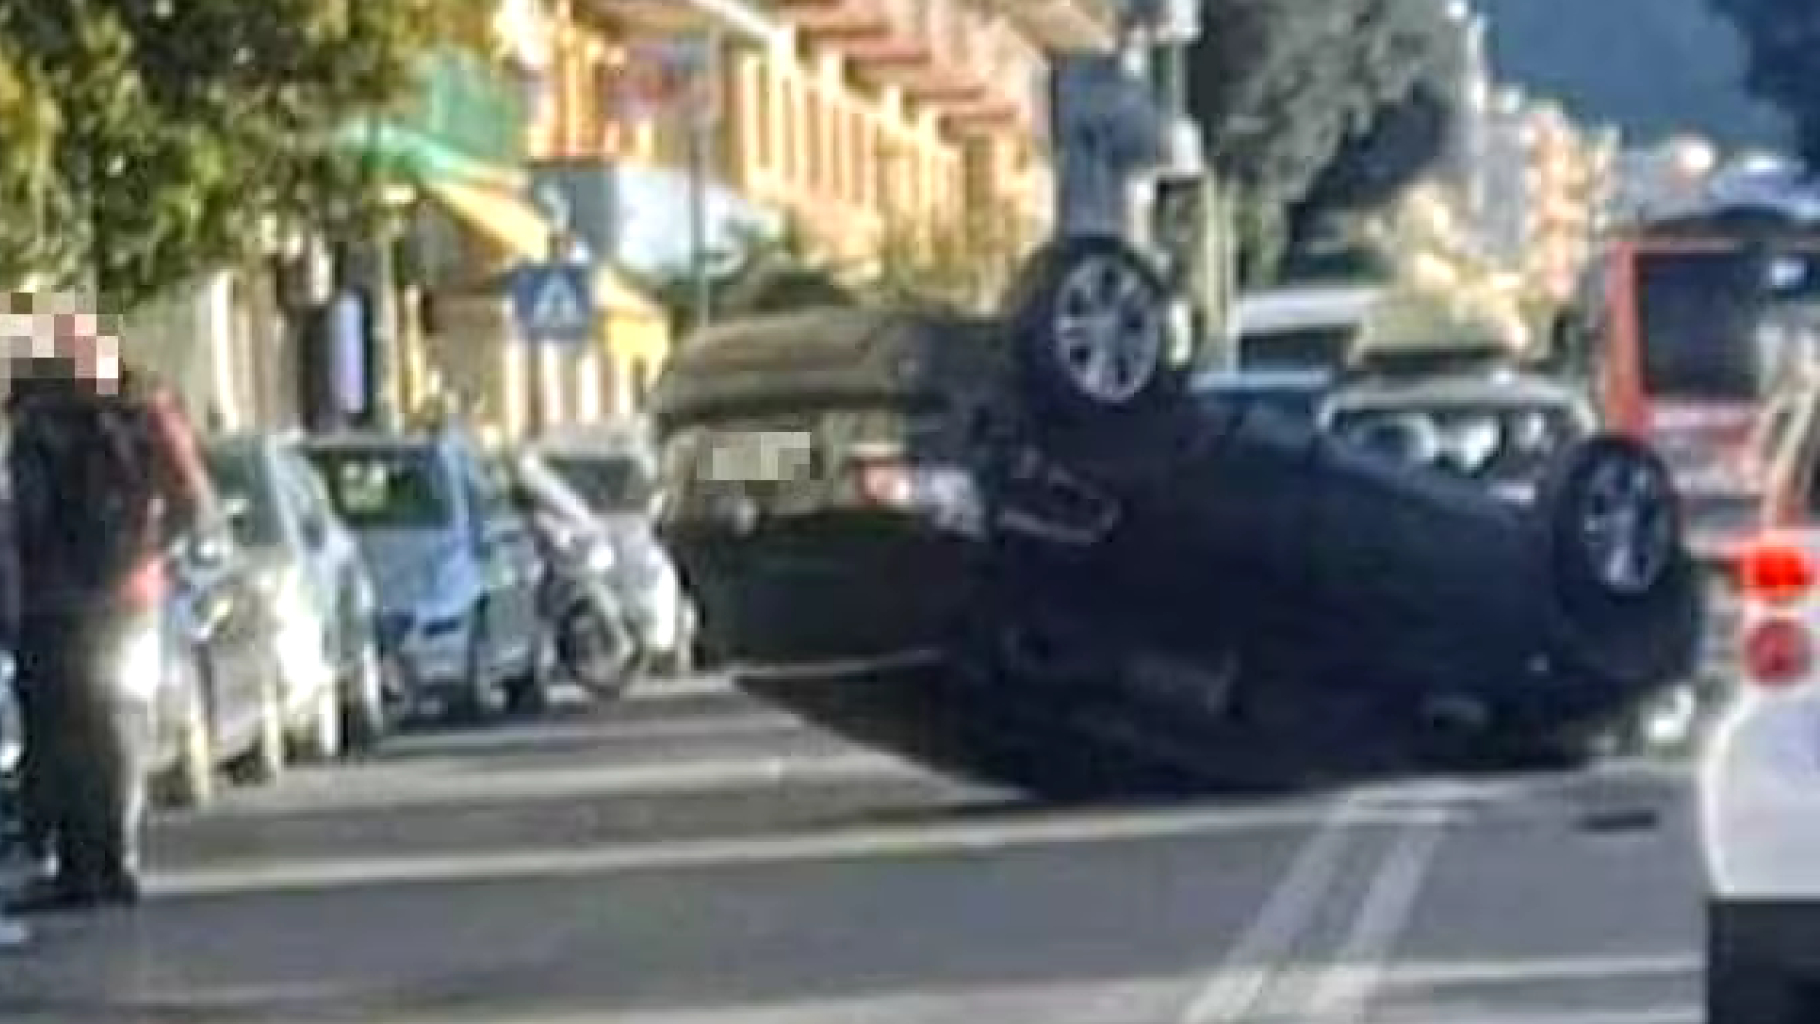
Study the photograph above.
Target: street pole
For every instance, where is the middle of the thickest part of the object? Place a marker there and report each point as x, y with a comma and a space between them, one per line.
703, 118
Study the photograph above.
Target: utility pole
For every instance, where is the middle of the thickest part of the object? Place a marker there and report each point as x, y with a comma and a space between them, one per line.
703, 120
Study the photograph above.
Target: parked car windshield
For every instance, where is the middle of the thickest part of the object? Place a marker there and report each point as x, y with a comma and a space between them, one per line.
386, 487
238, 475
610, 483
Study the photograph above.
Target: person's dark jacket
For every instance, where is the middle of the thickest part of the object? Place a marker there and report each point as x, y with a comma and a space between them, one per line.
59, 567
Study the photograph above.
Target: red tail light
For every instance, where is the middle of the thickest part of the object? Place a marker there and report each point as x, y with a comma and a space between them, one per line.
887, 482
1776, 573
1778, 652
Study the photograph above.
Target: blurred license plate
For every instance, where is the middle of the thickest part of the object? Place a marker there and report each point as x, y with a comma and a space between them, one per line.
761, 455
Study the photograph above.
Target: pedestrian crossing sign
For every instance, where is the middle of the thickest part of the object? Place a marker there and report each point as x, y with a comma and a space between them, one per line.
554, 302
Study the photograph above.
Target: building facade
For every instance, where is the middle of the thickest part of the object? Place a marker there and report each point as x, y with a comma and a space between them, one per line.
848, 118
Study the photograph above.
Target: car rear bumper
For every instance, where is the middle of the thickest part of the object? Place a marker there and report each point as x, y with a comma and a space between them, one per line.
1759, 800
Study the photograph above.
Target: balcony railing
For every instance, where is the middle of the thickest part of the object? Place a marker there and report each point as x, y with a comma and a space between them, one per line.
1016, 84
977, 67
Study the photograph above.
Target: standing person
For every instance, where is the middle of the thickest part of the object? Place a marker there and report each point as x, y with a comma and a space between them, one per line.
105, 473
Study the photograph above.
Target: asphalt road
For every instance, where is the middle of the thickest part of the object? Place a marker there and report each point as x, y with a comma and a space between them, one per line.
692, 856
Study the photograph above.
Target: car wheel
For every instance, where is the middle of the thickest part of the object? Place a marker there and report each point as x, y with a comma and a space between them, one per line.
1615, 522
264, 763
478, 700
529, 692
1090, 325
320, 739
1744, 984
365, 722
189, 783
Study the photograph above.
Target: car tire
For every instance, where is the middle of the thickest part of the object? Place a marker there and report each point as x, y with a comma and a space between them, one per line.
264, 763
1070, 367
1639, 632
320, 738
1744, 985
189, 783
529, 692
365, 721
478, 699
1616, 482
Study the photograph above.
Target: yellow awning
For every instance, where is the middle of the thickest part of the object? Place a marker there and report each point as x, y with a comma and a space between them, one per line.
524, 233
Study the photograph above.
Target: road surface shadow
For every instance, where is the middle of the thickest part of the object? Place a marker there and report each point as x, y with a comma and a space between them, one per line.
1073, 759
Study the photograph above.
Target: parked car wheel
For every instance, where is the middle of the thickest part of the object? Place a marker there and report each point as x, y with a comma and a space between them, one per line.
529, 692
264, 763
189, 783
478, 700
364, 718
319, 738
1091, 329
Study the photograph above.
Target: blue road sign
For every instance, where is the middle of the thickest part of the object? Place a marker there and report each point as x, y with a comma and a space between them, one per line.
554, 302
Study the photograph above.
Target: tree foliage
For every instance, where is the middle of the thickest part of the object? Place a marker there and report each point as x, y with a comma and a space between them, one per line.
1310, 104
1784, 41
961, 262
161, 131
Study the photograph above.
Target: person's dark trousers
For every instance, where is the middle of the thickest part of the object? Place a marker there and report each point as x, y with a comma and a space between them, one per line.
85, 773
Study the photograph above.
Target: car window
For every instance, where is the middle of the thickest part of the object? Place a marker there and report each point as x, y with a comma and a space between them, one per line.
609, 483
239, 474
387, 487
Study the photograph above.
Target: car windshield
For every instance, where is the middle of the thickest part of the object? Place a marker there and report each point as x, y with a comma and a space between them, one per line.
609, 483
386, 488
240, 475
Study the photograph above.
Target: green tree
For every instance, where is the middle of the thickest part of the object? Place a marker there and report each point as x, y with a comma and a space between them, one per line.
1284, 87
29, 189
963, 262
1784, 41
180, 124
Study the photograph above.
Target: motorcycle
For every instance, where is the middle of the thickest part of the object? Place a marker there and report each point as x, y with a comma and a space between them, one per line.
595, 644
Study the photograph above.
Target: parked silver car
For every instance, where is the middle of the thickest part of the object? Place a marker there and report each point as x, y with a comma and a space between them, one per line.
308, 566
454, 565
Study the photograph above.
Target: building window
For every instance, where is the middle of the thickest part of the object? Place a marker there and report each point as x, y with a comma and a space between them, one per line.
763, 112
787, 123
818, 174
838, 141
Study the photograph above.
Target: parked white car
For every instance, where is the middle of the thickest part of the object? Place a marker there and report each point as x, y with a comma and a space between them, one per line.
1759, 789
308, 567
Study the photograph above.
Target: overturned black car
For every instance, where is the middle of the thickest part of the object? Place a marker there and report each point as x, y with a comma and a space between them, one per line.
1037, 511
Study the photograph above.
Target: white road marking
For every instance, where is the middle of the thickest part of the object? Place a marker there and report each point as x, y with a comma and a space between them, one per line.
454, 781
1344, 993
1232, 993
1514, 972
1480, 1015
606, 730
879, 842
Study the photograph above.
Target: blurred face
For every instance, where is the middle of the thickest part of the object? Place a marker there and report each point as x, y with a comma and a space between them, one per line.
67, 346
